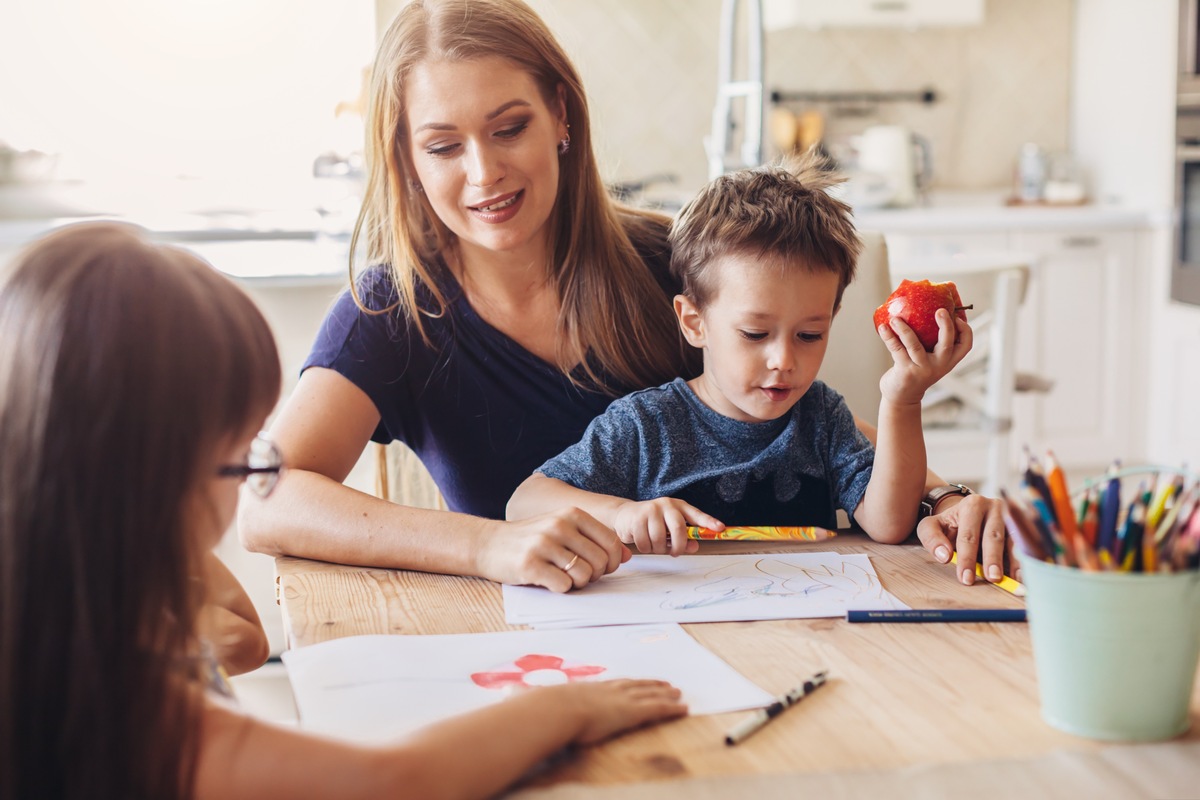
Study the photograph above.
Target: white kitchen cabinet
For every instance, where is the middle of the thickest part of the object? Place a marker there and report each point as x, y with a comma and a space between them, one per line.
1084, 299
778, 14
1076, 328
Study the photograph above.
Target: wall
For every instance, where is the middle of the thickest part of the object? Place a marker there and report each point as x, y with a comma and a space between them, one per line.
650, 72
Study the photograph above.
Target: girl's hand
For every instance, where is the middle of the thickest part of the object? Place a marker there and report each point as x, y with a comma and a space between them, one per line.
913, 370
563, 550
608, 707
660, 525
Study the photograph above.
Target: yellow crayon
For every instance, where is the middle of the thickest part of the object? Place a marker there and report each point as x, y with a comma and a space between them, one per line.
1006, 583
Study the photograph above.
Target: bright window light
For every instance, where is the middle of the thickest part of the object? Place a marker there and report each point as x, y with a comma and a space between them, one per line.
247, 92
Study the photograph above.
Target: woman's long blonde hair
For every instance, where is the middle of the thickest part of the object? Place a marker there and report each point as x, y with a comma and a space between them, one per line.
124, 367
611, 307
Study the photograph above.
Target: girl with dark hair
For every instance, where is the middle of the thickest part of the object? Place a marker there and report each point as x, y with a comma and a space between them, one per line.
135, 379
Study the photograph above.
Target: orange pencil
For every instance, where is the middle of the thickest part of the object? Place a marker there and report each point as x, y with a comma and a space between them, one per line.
1056, 480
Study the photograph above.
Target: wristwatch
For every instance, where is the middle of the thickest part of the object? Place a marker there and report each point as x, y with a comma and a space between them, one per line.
929, 502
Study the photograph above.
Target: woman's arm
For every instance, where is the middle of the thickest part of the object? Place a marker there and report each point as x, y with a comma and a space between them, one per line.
468, 756
321, 432
228, 621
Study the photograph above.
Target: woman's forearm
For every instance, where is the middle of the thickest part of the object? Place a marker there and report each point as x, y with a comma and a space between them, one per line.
312, 516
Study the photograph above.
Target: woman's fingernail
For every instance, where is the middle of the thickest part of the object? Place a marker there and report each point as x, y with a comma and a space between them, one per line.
994, 572
942, 553
968, 577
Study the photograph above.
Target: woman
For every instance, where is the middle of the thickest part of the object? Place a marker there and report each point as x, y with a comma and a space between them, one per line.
134, 380
518, 300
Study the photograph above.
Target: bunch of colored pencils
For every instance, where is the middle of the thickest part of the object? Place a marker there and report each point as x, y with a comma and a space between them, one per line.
1157, 529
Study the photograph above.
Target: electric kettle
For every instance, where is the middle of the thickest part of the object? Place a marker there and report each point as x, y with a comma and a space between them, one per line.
900, 156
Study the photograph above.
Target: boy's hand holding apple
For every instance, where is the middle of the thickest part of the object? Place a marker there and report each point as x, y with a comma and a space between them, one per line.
924, 326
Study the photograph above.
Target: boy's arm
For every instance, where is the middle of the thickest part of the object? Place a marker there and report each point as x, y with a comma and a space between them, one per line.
655, 526
539, 494
888, 511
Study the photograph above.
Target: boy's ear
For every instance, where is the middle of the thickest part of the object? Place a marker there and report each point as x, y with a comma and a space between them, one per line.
690, 321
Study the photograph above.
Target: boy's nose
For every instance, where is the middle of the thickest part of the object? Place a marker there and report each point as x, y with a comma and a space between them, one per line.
781, 357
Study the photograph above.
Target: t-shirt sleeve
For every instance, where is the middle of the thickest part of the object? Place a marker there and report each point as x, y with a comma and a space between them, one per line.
606, 459
850, 454
371, 350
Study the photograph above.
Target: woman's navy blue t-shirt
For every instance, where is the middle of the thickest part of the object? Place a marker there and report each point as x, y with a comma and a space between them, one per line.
478, 409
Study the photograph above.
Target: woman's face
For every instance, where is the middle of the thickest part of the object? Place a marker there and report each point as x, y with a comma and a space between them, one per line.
484, 145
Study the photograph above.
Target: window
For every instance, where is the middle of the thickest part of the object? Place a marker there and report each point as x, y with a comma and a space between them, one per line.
133, 95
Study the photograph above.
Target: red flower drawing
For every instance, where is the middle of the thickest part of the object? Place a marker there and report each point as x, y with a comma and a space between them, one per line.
535, 670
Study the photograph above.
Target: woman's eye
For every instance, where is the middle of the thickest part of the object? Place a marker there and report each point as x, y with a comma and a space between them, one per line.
513, 131
441, 150
753, 336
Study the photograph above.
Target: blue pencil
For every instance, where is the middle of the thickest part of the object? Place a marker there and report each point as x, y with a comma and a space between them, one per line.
939, 615
1110, 509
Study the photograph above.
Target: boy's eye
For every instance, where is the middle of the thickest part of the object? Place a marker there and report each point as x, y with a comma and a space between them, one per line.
753, 336
811, 337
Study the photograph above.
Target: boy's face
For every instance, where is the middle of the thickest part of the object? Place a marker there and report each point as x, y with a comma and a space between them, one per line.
764, 332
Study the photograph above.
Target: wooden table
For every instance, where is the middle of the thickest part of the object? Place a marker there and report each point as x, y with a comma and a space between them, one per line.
929, 697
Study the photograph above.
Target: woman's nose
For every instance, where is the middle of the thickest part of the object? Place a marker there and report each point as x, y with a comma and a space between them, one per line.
484, 168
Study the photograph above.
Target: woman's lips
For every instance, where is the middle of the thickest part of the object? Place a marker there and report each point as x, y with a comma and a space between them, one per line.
500, 209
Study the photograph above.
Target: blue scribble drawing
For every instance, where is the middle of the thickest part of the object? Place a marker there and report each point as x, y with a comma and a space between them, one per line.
770, 577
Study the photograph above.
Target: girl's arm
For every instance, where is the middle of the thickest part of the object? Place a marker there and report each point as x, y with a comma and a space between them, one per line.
322, 430
472, 755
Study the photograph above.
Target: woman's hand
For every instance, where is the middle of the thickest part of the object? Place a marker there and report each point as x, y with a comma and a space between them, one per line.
608, 707
563, 550
974, 527
660, 525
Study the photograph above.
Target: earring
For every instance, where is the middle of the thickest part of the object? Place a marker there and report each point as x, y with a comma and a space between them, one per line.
416, 187
564, 144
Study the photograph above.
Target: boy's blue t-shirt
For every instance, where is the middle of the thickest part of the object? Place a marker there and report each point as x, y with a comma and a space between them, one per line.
664, 442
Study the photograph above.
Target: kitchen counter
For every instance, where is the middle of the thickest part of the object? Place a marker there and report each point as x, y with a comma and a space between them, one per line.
948, 211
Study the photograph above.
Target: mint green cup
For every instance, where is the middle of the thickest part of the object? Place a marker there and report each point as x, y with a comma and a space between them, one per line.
1116, 652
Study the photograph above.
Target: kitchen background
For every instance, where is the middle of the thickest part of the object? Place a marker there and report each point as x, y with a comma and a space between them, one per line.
234, 129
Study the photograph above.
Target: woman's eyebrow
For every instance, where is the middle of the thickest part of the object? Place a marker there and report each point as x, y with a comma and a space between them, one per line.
491, 115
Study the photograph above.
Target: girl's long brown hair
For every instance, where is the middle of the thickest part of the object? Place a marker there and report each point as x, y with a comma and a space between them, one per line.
611, 307
124, 365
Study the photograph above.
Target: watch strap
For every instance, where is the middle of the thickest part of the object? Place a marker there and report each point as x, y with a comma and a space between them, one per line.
929, 502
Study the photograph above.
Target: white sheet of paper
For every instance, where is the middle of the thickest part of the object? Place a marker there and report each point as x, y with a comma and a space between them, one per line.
700, 588
377, 688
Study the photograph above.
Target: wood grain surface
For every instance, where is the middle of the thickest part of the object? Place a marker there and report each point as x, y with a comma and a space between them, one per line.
898, 695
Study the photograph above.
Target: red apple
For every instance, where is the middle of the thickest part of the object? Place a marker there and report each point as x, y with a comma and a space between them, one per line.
916, 302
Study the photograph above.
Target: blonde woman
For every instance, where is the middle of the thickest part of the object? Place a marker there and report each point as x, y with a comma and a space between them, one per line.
509, 300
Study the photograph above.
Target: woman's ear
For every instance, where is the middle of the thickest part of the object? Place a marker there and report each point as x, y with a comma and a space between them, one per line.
562, 111
690, 321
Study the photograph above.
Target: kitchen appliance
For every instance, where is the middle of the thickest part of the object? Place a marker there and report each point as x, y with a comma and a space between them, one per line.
1185, 269
900, 156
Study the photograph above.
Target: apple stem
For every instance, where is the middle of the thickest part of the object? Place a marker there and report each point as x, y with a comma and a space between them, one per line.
964, 308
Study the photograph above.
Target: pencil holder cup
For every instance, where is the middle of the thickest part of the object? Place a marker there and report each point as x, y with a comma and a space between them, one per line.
1116, 653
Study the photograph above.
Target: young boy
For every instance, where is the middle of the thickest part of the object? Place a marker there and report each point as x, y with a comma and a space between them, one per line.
763, 257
